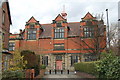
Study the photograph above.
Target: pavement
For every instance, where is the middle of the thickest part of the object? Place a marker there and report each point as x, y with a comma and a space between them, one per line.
61, 76
66, 76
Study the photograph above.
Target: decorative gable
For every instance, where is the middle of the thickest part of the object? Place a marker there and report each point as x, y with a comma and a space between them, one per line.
59, 18
32, 20
88, 16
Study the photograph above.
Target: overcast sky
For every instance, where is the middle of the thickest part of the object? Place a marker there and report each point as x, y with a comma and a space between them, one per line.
46, 10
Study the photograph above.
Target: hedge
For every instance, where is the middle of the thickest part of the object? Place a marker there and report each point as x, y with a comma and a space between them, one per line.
13, 74
42, 66
88, 67
109, 67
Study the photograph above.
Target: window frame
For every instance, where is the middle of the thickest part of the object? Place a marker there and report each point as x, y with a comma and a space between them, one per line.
3, 17
31, 34
59, 46
59, 33
59, 57
45, 60
88, 32
59, 24
74, 59
11, 46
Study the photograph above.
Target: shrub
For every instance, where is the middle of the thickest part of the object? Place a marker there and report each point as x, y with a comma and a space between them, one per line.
30, 57
88, 67
109, 66
13, 74
42, 66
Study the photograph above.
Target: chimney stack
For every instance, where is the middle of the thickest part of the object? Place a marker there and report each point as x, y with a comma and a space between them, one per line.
20, 30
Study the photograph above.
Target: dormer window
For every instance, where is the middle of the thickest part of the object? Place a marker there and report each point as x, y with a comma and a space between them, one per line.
59, 24
88, 32
31, 25
31, 34
59, 33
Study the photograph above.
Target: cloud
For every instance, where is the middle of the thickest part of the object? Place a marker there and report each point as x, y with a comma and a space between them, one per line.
46, 10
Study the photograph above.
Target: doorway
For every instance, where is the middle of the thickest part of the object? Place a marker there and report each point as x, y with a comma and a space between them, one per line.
58, 62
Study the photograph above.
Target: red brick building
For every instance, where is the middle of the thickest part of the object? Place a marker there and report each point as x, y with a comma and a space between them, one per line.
60, 44
5, 22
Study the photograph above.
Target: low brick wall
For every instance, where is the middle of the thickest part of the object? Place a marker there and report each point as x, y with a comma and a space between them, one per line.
30, 73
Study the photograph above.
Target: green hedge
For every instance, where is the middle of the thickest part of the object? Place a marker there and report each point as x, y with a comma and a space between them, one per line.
13, 74
42, 67
88, 67
109, 66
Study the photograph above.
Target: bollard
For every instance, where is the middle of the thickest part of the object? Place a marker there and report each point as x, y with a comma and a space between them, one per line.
55, 71
68, 71
61, 71
50, 71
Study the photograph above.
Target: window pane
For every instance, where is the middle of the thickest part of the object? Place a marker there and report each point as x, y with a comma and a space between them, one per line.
59, 33
74, 59
88, 32
11, 46
32, 34
34, 31
58, 46
32, 26
59, 25
59, 57
45, 60
3, 17
62, 30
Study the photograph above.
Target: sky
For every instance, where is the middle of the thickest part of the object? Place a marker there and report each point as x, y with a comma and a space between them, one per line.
45, 11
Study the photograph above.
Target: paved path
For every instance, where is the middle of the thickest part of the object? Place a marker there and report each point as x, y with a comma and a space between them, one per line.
61, 76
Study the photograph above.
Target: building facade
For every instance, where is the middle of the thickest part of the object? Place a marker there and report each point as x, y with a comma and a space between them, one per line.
5, 22
60, 44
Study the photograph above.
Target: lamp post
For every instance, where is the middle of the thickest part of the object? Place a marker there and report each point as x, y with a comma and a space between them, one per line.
0, 53
108, 29
118, 37
118, 29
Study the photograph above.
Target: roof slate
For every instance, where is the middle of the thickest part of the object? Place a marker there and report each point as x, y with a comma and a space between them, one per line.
74, 30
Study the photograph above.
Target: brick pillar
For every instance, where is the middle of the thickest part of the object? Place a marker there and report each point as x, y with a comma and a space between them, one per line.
37, 33
54, 61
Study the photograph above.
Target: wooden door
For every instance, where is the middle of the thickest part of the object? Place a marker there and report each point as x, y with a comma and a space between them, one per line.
58, 65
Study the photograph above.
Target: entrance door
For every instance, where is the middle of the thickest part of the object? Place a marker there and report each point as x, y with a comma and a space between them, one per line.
58, 65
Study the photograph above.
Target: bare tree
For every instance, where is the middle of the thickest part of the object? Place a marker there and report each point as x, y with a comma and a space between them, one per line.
94, 44
114, 38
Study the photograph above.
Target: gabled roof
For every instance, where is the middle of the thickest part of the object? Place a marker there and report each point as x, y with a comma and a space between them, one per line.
8, 9
9, 12
59, 18
74, 30
88, 16
32, 20
13, 36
